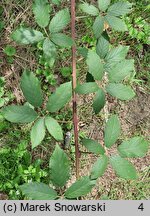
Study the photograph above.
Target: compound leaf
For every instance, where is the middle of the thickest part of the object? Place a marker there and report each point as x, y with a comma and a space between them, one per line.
27, 36
59, 167
87, 88
54, 128
98, 26
19, 114
49, 50
99, 167
119, 9
38, 191
37, 132
103, 4
31, 88
121, 70
59, 21
120, 91
61, 96
99, 101
89, 9
112, 131
62, 40
80, 188
93, 146
41, 10
116, 23
95, 65
134, 147
123, 168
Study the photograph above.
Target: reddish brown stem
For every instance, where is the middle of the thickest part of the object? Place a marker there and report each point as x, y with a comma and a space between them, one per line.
75, 117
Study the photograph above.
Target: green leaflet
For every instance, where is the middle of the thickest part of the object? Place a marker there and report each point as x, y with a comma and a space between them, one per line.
103, 4
41, 10
119, 8
59, 167
54, 128
123, 168
115, 55
121, 70
102, 46
49, 50
95, 65
120, 91
61, 96
27, 36
99, 167
134, 147
62, 40
56, 2
59, 21
98, 26
31, 88
112, 131
89, 9
99, 101
80, 188
38, 191
93, 146
116, 23
37, 132
87, 88
19, 114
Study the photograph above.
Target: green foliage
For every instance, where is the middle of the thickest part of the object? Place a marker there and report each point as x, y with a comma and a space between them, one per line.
38, 132
59, 21
27, 36
5, 96
59, 167
54, 128
99, 101
41, 10
93, 146
31, 89
89, 9
19, 114
134, 147
80, 188
25, 114
102, 59
112, 131
53, 38
95, 65
38, 191
9, 50
120, 91
62, 40
98, 26
99, 167
49, 50
58, 99
103, 4
123, 168
87, 88
112, 16
121, 70
16, 167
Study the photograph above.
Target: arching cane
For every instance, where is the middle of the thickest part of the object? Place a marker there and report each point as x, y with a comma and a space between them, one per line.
75, 117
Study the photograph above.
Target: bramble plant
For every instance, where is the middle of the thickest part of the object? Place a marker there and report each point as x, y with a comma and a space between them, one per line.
110, 71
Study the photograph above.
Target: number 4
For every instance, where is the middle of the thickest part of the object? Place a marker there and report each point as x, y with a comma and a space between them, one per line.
141, 207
